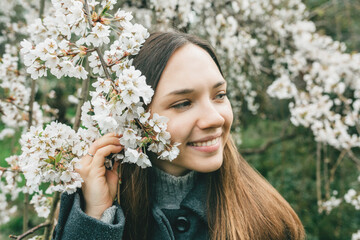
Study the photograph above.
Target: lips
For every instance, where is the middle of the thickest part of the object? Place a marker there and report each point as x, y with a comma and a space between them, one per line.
205, 143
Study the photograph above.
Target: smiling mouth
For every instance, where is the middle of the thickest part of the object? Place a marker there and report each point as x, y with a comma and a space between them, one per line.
205, 143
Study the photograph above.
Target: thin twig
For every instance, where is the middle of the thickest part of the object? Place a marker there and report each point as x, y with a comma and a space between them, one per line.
326, 172
101, 56
9, 170
322, 7
348, 108
11, 102
338, 161
42, 7
318, 175
26, 195
50, 218
82, 99
30, 231
126, 54
353, 157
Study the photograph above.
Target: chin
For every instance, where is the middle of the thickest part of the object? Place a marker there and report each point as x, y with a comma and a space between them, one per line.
209, 167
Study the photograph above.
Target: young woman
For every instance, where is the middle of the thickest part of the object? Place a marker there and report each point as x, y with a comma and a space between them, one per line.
208, 192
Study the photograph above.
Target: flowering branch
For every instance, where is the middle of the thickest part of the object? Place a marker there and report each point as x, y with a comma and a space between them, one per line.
82, 99
10, 170
101, 56
348, 108
30, 231
12, 103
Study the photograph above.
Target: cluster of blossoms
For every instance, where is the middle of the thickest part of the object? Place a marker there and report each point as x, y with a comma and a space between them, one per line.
356, 236
9, 188
5, 210
12, 25
51, 155
353, 198
63, 39
14, 103
330, 204
42, 204
116, 107
185, 12
329, 100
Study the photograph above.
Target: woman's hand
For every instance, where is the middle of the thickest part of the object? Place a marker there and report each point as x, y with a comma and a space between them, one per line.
100, 185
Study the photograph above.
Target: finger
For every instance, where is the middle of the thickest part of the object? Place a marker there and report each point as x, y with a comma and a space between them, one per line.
112, 174
101, 153
114, 170
112, 134
102, 142
84, 163
107, 139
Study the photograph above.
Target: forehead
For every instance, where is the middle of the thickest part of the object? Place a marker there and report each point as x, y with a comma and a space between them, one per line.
189, 67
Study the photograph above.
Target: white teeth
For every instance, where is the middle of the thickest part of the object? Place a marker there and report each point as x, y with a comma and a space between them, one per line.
205, 144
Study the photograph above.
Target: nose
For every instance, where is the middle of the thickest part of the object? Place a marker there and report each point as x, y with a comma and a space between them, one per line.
210, 116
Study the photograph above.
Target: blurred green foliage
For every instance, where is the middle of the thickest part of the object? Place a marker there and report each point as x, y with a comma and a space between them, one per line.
338, 19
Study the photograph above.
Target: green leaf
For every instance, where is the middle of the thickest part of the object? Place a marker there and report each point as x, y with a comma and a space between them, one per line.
58, 157
49, 161
106, 8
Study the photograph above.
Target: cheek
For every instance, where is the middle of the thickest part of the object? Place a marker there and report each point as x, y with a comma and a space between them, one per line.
179, 128
227, 114
229, 117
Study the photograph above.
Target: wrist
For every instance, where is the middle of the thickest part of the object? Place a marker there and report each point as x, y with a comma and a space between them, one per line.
95, 212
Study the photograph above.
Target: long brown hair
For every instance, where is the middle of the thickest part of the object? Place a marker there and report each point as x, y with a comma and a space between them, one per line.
241, 204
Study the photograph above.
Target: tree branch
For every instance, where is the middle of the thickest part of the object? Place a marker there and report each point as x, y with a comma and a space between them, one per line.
26, 195
101, 56
267, 145
353, 157
30, 231
9, 170
9, 101
50, 218
84, 95
322, 7
318, 176
337, 164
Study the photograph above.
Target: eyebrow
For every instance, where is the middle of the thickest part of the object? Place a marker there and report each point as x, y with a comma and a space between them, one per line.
188, 90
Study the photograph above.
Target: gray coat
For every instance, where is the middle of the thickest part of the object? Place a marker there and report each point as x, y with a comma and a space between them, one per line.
188, 222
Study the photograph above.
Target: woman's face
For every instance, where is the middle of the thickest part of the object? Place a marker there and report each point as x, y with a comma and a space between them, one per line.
192, 94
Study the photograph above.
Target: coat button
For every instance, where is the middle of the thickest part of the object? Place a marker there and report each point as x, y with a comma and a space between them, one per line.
182, 224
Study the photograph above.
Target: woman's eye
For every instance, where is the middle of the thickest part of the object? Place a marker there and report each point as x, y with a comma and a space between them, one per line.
181, 105
221, 96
